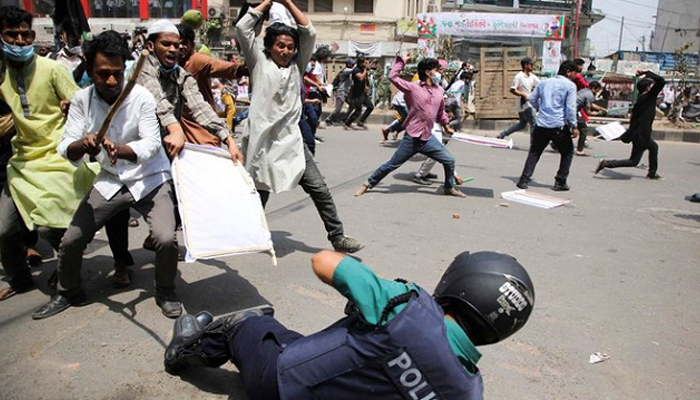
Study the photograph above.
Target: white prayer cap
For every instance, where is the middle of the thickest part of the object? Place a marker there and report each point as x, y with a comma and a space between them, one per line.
163, 26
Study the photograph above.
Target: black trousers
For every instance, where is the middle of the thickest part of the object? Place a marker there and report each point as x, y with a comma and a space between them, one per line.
253, 346
356, 104
540, 138
636, 157
313, 184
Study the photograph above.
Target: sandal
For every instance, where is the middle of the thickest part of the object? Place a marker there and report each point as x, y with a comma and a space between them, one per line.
6, 291
34, 259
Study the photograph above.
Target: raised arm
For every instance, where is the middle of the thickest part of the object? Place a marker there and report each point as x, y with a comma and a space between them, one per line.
245, 33
395, 75
223, 69
659, 83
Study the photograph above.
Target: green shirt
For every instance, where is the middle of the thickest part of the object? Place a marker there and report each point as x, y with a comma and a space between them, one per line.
45, 187
371, 293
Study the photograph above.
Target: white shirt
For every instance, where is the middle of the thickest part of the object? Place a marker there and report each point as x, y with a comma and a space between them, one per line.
69, 61
669, 95
525, 84
455, 93
136, 125
398, 100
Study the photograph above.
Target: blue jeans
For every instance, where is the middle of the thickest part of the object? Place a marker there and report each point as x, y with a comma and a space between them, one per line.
525, 117
410, 146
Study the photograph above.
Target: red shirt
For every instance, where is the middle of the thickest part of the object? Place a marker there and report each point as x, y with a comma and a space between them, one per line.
580, 82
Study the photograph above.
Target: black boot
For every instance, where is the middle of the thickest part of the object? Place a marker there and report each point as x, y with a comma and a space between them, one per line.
185, 349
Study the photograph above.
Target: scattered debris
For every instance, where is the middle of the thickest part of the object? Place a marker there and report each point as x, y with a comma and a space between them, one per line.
598, 357
534, 199
456, 215
599, 155
504, 205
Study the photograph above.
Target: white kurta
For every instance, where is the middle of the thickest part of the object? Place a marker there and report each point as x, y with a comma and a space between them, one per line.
272, 142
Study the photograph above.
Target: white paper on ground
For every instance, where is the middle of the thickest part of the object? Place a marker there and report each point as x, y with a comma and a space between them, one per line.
611, 131
483, 140
534, 199
598, 357
220, 209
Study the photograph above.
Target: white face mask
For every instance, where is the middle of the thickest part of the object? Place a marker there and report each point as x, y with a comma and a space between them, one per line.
436, 78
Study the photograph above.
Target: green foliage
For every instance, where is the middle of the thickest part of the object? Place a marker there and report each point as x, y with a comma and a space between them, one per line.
682, 70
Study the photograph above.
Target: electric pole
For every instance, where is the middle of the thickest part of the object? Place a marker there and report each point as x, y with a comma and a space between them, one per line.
622, 27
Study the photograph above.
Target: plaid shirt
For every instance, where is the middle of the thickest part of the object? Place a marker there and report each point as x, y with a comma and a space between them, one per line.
175, 90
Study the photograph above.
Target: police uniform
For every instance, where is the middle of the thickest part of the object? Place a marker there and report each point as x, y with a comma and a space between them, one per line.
398, 344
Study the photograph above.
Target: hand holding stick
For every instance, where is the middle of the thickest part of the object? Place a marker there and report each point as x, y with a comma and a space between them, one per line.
122, 96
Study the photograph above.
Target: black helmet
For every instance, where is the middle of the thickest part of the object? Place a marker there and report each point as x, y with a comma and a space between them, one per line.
489, 294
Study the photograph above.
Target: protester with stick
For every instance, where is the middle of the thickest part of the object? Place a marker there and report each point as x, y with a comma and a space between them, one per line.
639, 131
135, 172
276, 157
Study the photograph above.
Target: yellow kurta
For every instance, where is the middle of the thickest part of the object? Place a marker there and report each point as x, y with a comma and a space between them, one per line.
45, 187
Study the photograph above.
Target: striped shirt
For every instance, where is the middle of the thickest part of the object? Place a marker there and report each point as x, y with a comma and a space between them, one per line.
175, 90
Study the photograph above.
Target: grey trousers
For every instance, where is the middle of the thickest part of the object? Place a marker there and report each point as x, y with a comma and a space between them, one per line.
12, 252
158, 209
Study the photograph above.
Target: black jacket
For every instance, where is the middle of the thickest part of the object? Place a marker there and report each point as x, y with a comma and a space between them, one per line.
643, 113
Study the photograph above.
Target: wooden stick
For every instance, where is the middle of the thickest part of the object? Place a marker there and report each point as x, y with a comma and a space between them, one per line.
122, 96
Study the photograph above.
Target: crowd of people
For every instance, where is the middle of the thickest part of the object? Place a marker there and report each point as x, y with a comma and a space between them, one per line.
87, 147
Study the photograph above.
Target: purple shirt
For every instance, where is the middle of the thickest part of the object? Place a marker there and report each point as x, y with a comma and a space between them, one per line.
426, 103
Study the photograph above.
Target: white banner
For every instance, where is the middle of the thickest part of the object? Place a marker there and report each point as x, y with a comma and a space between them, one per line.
551, 56
368, 49
491, 24
220, 210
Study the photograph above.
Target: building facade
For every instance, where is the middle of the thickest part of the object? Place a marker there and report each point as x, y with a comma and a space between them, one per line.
677, 23
468, 48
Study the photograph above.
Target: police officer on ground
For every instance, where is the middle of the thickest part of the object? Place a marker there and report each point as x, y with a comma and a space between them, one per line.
397, 341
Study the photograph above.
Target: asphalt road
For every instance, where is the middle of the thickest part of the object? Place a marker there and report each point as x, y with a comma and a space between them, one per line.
615, 271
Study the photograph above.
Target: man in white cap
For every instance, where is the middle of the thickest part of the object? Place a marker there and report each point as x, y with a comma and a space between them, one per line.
177, 95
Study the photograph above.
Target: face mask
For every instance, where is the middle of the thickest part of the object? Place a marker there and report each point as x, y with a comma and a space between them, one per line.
18, 53
166, 70
436, 78
308, 69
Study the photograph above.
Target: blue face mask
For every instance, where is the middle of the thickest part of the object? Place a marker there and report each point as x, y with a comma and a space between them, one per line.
436, 78
18, 53
168, 70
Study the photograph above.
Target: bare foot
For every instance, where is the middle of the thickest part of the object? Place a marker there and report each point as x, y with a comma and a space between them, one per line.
454, 192
362, 190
